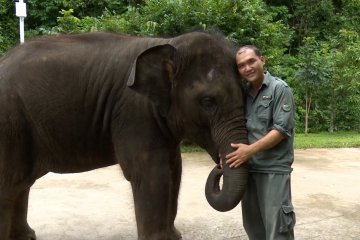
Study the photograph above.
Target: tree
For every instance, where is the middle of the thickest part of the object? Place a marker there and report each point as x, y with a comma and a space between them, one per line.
311, 18
344, 94
311, 75
43, 14
244, 22
311, 44
8, 26
249, 22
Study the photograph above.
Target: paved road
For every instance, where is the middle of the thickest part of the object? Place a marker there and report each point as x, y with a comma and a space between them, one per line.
98, 204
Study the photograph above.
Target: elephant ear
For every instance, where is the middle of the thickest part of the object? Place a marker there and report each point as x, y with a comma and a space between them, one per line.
152, 75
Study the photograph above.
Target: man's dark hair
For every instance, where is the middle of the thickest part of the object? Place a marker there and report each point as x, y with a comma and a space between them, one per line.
252, 47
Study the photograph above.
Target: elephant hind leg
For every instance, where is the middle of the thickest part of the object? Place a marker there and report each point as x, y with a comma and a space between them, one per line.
20, 229
6, 206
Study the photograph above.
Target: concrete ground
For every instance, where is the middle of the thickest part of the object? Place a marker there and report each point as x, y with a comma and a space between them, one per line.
98, 204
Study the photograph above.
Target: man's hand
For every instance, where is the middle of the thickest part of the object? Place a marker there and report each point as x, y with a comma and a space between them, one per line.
242, 154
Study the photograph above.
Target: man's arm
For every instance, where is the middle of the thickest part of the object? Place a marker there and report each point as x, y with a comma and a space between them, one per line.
243, 152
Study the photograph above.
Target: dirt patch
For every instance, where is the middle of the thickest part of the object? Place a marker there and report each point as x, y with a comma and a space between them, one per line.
98, 204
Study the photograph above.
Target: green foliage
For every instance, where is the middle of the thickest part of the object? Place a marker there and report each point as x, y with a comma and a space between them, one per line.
243, 22
345, 94
169, 18
350, 17
8, 26
311, 18
329, 73
67, 23
44, 13
313, 45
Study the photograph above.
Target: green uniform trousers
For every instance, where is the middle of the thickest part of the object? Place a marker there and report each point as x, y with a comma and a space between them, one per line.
267, 210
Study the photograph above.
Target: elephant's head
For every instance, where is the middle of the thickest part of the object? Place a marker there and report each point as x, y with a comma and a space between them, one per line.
193, 81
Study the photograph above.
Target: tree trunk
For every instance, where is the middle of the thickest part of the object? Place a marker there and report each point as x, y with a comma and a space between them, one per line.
332, 113
307, 109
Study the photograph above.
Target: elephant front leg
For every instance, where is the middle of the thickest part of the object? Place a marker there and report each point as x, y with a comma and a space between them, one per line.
13, 213
20, 229
156, 191
6, 206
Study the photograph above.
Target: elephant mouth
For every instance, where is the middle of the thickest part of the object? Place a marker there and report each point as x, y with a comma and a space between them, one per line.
215, 155
212, 149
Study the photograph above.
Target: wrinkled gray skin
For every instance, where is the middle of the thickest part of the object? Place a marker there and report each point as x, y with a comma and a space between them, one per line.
70, 104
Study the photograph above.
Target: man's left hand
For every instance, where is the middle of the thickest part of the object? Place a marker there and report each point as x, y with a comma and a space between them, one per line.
238, 157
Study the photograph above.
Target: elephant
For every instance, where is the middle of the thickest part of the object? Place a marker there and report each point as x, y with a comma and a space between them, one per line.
78, 102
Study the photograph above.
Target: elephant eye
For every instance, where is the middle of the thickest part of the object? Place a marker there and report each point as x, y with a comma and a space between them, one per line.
208, 103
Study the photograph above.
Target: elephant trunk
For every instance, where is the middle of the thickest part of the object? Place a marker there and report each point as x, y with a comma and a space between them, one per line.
234, 185
234, 179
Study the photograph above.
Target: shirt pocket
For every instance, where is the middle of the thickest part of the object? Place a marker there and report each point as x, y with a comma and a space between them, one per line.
264, 110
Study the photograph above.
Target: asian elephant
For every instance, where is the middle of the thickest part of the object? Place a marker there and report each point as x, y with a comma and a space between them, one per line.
74, 103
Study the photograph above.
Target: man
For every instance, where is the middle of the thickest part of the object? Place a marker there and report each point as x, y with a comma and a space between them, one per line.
266, 206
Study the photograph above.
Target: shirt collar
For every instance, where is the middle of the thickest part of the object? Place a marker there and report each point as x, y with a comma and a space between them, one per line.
267, 78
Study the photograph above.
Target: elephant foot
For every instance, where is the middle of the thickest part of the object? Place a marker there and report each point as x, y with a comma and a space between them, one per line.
173, 234
177, 234
28, 234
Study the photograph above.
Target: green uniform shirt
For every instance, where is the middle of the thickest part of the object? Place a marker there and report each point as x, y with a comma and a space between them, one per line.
272, 108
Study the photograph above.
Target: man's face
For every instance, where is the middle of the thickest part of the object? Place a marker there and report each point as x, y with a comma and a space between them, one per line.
250, 66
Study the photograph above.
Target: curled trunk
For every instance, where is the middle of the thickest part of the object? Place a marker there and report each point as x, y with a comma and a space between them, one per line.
234, 179
234, 185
